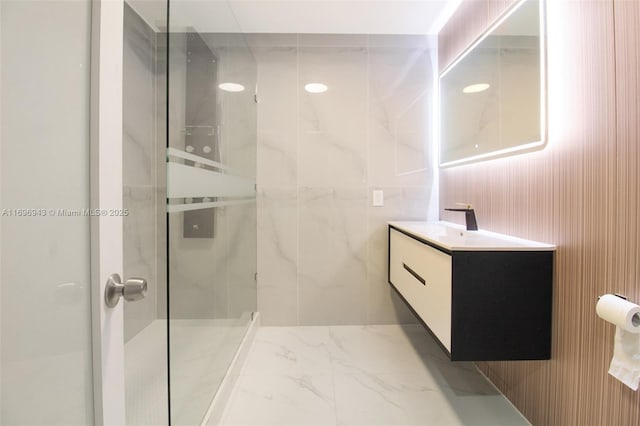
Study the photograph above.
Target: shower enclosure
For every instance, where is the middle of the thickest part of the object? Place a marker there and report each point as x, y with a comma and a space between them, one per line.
183, 217
211, 164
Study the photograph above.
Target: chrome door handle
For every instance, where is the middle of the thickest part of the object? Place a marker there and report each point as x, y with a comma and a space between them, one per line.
132, 290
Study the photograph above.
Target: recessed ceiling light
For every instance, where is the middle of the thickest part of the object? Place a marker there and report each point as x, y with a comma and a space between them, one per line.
315, 87
231, 87
475, 88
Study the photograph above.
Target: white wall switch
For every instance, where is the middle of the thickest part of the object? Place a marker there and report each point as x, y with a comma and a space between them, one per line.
378, 198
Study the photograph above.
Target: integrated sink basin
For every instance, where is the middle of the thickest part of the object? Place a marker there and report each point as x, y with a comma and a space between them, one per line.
454, 237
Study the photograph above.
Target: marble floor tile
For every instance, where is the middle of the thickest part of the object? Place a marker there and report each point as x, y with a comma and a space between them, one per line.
390, 399
283, 399
378, 349
289, 350
361, 375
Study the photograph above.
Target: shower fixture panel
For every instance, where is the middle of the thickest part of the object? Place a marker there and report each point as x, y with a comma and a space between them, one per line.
201, 134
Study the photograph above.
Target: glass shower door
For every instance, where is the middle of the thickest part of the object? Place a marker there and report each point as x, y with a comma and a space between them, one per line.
211, 165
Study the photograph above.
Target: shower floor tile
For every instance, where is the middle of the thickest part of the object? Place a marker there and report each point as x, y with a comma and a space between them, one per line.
360, 375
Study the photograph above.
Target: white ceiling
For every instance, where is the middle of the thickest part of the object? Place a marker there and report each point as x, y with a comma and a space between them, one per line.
302, 16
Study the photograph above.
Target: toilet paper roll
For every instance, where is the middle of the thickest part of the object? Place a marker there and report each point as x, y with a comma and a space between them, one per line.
622, 313
625, 364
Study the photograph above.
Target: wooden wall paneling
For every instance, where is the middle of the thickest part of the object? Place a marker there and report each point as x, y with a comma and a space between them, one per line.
495, 8
581, 192
596, 121
626, 259
627, 29
463, 27
466, 25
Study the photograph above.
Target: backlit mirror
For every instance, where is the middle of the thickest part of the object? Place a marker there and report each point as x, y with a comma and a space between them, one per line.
492, 97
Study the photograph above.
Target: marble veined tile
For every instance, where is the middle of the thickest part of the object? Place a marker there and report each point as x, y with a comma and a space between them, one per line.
286, 350
400, 131
278, 256
332, 126
379, 375
384, 306
277, 115
415, 399
382, 350
390, 399
282, 399
241, 222
332, 256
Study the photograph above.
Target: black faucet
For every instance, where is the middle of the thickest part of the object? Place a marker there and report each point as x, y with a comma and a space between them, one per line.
469, 216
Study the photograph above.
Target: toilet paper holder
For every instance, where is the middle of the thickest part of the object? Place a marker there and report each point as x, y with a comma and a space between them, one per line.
621, 296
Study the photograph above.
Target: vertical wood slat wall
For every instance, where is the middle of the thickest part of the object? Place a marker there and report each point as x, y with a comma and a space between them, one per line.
582, 192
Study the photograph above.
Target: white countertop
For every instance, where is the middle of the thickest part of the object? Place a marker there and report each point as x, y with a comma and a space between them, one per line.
454, 237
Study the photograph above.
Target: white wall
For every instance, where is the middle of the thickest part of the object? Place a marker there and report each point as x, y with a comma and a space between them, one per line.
45, 305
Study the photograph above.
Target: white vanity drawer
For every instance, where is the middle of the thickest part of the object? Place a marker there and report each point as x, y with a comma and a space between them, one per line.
422, 274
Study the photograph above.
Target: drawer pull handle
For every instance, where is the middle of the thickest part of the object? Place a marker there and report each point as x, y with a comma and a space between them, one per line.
414, 273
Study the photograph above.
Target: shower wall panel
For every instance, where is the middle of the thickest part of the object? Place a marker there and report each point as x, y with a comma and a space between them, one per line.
322, 246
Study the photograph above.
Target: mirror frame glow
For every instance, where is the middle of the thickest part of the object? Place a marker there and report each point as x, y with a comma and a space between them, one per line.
519, 149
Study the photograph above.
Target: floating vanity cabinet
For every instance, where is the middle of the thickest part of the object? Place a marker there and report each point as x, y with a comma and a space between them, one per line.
483, 296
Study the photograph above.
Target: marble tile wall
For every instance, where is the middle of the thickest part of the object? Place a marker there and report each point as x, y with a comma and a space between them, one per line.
237, 117
322, 247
